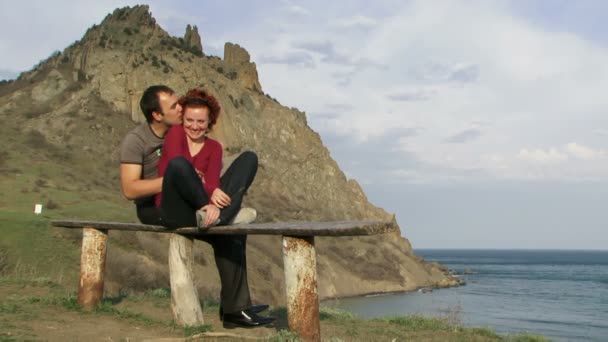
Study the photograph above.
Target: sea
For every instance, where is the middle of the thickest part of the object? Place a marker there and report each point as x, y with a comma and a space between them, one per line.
559, 294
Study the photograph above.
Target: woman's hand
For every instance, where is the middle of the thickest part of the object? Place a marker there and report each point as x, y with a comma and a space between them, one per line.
220, 199
213, 213
201, 175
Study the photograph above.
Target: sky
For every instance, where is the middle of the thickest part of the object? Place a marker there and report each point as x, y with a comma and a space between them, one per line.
480, 124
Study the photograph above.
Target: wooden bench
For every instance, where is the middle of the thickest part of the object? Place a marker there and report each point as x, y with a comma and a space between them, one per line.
299, 262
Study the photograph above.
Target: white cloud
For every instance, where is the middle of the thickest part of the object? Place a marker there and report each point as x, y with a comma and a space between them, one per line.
412, 93
299, 10
584, 152
602, 132
356, 21
541, 156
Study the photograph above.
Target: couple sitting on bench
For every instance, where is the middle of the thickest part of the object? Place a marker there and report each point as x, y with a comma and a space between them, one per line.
171, 169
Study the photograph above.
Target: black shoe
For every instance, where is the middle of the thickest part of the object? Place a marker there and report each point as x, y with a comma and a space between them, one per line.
255, 308
245, 319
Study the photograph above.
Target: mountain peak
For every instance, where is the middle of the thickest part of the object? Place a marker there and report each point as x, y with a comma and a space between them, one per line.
139, 15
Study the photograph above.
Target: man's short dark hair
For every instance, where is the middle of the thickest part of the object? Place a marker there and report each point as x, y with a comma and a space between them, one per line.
149, 100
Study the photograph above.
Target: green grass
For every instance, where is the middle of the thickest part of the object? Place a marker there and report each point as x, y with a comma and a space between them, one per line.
284, 336
8, 308
335, 314
419, 323
16, 305
337, 325
198, 329
4, 338
69, 302
526, 338
159, 293
33, 252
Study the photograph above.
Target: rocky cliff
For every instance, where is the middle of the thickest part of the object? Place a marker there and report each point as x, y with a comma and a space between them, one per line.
192, 39
81, 101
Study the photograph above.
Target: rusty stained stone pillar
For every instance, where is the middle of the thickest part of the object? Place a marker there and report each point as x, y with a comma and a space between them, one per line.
92, 267
299, 262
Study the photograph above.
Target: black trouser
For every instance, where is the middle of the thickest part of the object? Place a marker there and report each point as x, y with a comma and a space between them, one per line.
183, 194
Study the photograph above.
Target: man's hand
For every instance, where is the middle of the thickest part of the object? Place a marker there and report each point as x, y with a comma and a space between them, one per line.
220, 199
213, 213
133, 186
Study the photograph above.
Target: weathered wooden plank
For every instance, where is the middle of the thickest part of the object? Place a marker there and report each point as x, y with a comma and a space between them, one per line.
340, 228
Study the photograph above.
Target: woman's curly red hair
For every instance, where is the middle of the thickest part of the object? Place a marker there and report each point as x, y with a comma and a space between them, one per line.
197, 98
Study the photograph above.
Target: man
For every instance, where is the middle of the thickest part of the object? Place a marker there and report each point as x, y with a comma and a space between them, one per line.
139, 156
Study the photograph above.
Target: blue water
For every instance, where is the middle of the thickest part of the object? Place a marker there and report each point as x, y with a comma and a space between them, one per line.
562, 295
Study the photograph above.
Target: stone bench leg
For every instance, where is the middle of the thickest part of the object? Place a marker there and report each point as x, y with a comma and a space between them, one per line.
92, 267
299, 262
184, 297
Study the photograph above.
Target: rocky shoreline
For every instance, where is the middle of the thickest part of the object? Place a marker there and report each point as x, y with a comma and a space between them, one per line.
424, 289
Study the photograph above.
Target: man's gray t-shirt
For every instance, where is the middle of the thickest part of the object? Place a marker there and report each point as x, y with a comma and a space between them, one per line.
141, 146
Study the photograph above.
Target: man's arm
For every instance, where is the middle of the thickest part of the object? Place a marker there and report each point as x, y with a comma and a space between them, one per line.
133, 186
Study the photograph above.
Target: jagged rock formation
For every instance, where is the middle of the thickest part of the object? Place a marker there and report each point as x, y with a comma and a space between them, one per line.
82, 101
238, 58
192, 39
234, 54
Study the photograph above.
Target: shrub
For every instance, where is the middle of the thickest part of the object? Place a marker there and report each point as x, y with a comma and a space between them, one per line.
3, 261
103, 39
3, 158
329, 313
194, 50
36, 140
285, 336
50, 204
127, 31
81, 76
41, 183
419, 323
197, 329
162, 292
234, 102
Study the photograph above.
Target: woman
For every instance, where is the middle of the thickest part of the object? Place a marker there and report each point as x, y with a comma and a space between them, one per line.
214, 200
193, 194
